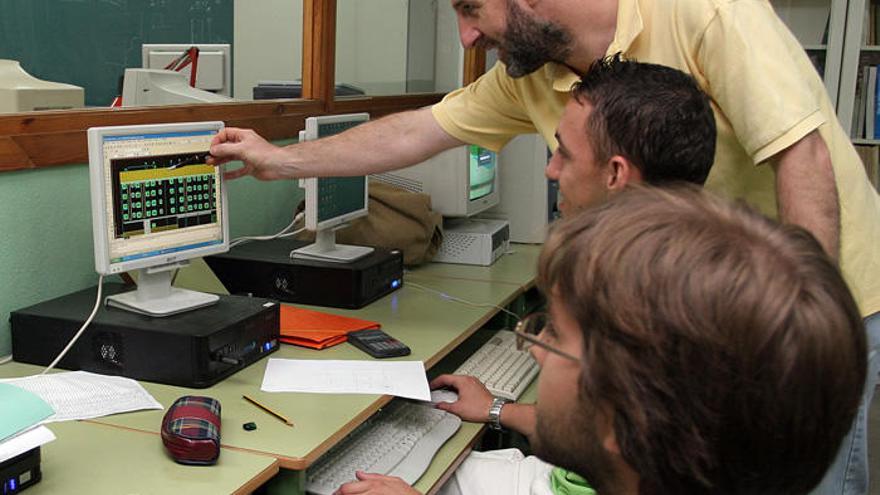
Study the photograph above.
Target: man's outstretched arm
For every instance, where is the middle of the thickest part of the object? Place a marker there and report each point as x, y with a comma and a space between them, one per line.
389, 143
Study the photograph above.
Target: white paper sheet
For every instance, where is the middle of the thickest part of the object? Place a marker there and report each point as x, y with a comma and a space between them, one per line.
27, 440
398, 378
83, 395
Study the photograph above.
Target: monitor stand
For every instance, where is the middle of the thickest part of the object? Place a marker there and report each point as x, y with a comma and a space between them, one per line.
326, 249
155, 296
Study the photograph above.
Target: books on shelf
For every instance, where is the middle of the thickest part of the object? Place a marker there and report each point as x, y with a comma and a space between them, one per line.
866, 107
870, 156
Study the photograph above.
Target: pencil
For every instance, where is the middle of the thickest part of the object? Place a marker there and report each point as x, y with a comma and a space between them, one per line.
268, 410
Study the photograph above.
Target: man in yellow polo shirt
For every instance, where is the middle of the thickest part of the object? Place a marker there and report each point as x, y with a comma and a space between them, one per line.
770, 104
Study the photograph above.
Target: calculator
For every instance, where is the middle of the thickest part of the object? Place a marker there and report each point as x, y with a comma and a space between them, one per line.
377, 343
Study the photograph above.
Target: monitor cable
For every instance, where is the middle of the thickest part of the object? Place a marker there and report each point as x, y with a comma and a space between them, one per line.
285, 232
449, 297
81, 329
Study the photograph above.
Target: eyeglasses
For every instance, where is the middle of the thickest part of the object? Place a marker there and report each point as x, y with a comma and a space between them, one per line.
528, 332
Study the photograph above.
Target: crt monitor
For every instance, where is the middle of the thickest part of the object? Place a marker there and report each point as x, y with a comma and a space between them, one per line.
331, 202
214, 72
152, 87
155, 205
462, 181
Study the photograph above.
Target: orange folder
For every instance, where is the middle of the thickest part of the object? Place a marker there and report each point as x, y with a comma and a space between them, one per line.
318, 330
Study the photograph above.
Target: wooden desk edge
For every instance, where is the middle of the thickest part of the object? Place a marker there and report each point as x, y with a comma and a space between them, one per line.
259, 480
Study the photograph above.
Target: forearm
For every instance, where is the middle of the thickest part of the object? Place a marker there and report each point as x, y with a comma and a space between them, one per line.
806, 190
389, 143
519, 418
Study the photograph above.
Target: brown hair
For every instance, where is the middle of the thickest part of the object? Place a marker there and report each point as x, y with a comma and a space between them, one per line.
728, 347
655, 116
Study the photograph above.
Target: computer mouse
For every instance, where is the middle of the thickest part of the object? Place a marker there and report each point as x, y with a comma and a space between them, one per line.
443, 395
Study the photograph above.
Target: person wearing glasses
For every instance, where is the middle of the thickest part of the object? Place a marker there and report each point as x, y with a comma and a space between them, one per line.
691, 346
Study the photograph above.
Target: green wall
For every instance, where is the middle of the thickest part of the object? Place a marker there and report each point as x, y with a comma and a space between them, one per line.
46, 231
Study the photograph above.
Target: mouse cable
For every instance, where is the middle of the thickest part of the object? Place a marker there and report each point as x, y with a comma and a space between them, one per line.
81, 329
462, 301
282, 233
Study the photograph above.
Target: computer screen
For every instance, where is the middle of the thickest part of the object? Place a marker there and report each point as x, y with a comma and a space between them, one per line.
155, 202
481, 167
338, 197
333, 201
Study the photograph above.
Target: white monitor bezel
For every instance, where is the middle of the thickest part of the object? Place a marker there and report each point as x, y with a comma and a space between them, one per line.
103, 264
311, 184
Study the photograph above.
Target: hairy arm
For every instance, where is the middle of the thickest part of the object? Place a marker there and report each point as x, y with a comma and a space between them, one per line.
389, 143
806, 191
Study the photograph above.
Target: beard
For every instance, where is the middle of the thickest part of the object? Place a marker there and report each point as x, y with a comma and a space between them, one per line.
571, 442
529, 43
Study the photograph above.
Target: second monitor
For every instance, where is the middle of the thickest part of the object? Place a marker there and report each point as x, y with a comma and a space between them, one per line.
332, 202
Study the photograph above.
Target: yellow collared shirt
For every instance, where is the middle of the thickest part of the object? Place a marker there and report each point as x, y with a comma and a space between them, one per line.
765, 92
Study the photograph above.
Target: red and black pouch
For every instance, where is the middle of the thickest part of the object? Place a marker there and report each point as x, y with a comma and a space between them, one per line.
191, 430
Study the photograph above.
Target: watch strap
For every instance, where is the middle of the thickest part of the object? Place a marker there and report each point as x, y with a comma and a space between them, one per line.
495, 413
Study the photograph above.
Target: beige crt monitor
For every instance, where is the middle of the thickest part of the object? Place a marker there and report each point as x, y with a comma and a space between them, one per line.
151, 87
214, 73
22, 92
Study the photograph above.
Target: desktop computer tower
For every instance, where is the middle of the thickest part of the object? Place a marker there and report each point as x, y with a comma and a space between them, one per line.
196, 348
265, 269
528, 198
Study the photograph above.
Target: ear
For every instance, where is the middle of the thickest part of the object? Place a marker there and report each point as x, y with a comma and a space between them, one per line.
621, 172
605, 428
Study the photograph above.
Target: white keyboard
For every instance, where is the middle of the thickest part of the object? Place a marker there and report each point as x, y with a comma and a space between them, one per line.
504, 370
399, 440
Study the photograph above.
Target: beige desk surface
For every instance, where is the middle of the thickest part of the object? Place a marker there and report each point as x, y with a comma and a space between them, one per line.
97, 459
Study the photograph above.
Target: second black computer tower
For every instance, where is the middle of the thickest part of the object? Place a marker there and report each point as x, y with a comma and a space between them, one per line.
265, 269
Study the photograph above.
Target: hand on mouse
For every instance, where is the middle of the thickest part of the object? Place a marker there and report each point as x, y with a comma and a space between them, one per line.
474, 398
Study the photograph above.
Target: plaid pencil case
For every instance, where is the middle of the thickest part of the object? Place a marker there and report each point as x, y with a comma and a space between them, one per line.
191, 430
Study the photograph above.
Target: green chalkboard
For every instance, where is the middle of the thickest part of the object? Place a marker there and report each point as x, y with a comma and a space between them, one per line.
90, 42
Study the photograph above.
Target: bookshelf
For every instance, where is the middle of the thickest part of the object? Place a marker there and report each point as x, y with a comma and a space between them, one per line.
820, 26
861, 50
842, 38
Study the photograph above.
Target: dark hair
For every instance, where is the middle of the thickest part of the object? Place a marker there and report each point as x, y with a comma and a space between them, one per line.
727, 347
655, 116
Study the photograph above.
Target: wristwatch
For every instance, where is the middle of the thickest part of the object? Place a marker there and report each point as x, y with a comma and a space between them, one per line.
495, 413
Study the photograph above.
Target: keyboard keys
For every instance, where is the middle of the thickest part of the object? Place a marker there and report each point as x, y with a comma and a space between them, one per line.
504, 370
400, 440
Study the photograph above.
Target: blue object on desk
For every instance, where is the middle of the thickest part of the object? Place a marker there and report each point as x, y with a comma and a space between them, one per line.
20, 410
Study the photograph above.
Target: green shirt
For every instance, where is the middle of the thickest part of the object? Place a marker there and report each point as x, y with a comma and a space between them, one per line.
564, 482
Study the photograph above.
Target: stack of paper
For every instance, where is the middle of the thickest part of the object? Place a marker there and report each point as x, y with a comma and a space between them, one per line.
83, 395
318, 330
21, 413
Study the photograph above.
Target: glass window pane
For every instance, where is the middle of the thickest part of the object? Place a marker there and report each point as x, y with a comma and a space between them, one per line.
393, 47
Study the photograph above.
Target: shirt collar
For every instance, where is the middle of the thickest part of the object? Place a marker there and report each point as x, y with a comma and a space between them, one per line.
560, 76
629, 25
